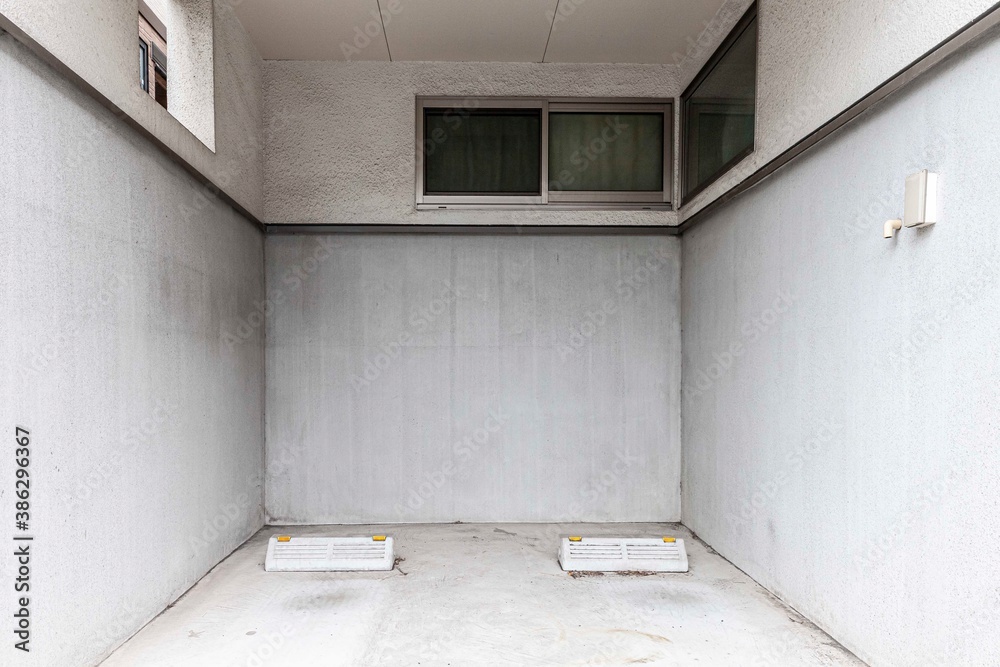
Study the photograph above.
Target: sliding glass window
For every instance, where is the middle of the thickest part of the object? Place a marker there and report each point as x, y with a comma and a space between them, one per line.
718, 109
477, 151
541, 152
608, 153
484, 152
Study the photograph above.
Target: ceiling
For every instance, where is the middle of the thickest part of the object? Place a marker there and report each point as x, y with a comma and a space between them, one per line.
565, 31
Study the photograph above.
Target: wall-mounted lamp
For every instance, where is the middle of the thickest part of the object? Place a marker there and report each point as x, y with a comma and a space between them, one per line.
920, 204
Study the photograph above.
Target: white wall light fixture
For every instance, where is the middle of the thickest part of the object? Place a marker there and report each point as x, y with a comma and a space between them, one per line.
920, 203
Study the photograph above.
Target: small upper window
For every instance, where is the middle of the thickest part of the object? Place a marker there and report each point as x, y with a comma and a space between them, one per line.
153, 57
483, 152
718, 109
480, 151
189, 92
159, 91
607, 154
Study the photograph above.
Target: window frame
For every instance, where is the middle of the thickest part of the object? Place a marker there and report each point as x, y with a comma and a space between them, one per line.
480, 104
560, 199
637, 197
144, 71
685, 106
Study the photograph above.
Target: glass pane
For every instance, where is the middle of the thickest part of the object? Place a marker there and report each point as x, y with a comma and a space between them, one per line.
143, 66
606, 151
487, 151
719, 113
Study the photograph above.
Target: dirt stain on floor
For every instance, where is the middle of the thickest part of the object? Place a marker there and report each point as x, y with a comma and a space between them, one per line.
316, 602
637, 573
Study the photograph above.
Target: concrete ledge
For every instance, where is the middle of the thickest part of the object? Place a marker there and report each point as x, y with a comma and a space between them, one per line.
8, 26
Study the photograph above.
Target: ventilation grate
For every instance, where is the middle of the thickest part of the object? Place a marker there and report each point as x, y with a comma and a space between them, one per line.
619, 554
328, 554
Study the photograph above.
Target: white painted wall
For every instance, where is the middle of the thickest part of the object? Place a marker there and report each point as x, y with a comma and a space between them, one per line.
342, 144
817, 58
221, 103
146, 429
840, 441
422, 378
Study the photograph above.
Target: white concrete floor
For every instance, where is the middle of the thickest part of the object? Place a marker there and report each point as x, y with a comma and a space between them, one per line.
478, 594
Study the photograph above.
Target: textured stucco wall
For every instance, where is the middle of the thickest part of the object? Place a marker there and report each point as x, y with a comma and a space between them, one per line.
817, 58
840, 393
475, 378
342, 150
98, 41
146, 428
191, 66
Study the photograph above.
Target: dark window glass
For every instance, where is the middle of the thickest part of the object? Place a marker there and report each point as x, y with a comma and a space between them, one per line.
605, 151
718, 109
160, 85
484, 151
143, 65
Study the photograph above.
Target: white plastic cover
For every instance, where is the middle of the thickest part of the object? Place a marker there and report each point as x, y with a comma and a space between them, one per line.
328, 554
623, 554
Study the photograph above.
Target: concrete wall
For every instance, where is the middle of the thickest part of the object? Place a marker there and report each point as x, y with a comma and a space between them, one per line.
473, 378
840, 400
817, 58
342, 144
146, 429
221, 102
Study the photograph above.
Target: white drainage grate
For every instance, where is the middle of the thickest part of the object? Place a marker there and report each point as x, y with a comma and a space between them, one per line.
328, 554
623, 554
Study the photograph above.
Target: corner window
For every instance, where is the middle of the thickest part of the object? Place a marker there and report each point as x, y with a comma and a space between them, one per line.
718, 109
475, 152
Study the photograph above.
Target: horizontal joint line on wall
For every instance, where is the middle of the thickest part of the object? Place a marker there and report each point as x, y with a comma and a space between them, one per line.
569, 230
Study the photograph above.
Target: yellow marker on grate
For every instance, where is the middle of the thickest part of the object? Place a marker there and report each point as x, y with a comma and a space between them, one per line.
284, 538
378, 538
576, 539
669, 539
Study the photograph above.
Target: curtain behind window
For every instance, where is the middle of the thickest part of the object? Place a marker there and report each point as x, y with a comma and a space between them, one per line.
605, 152
483, 151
